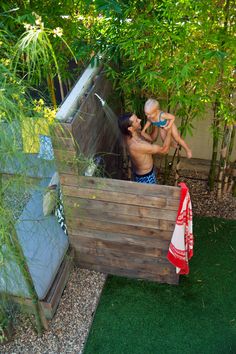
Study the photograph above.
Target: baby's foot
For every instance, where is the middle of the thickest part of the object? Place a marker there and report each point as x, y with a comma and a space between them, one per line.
189, 154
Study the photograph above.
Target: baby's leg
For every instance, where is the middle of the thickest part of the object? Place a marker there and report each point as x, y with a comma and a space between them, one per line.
163, 136
175, 134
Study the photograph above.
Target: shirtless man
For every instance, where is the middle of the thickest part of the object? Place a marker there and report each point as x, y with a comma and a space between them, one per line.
139, 149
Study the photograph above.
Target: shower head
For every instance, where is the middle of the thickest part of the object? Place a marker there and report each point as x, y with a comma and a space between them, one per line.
101, 100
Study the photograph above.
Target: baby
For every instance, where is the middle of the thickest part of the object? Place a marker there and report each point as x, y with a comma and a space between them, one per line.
162, 120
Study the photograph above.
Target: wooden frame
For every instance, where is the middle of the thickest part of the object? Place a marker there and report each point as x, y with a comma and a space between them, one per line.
50, 303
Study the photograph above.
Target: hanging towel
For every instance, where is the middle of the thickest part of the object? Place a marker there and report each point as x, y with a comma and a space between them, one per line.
181, 246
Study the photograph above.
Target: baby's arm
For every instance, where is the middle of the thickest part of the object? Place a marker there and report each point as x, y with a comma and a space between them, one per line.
170, 118
144, 134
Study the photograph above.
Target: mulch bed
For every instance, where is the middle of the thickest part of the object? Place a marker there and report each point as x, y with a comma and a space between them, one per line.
205, 202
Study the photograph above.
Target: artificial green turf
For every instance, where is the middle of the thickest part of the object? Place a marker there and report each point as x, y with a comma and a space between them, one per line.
197, 316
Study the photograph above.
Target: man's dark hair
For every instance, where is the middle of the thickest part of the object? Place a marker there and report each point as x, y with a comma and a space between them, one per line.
124, 123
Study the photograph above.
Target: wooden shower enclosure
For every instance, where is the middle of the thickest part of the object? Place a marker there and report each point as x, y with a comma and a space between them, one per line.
115, 226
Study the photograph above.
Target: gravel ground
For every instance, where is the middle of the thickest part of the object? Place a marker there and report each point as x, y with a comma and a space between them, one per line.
68, 330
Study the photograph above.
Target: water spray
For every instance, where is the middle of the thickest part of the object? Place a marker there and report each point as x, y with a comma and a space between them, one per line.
111, 118
101, 100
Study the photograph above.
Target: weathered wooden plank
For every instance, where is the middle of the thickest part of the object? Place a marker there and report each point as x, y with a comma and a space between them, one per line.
70, 168
91, 224
131, 264
108, 184
91, 107
125, 243
65, 155
73, 216
154, 263
95, 143
114, 252
61, 130
62, 143
89, 145
172, 204
113, 207
49, 304
51, 301
90, 125
171, 278
89, 246
123, 198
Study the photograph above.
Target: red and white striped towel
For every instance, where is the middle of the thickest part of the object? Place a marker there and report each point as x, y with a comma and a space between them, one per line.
181, 246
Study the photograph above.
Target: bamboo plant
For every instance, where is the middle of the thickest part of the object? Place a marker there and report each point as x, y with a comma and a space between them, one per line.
36, 52
14, 107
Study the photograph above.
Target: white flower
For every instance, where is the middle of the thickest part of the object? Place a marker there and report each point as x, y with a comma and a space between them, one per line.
57, 32
27, 26
38, 21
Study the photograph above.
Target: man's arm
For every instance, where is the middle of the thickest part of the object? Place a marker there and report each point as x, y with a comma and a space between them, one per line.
154, 133
146, 148
144, 134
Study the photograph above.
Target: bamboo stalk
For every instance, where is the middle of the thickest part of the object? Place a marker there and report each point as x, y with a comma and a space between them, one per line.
177, 165
217, 121
223, 158
233, 182
230, 186
234, 188
166, 169
216, 133
69, 84
51, 89
166, 166
61, 87
231, 170
225, 184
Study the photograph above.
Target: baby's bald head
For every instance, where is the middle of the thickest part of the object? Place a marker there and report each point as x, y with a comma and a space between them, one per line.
151, 104
151, 108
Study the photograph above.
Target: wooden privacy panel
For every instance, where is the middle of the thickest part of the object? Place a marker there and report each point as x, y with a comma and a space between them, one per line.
121, 227
115, 226
89, 132
91, 128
